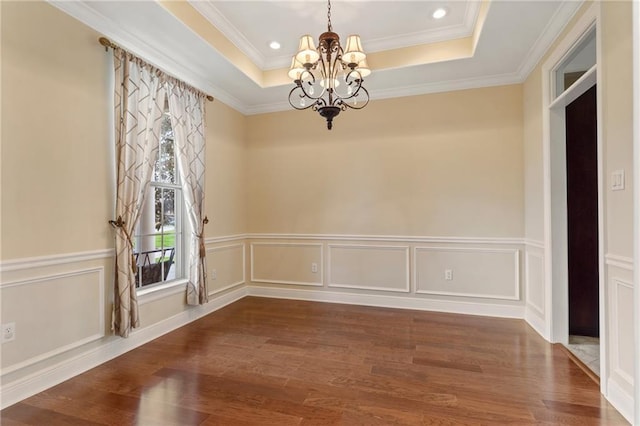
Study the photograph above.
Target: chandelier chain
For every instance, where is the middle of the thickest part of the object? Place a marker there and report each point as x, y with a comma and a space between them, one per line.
329, 15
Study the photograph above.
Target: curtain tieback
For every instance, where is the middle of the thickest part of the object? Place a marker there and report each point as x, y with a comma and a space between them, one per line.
203, 251
119, 223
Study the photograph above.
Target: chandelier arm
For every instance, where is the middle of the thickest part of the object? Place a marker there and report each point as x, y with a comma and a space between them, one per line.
365, 100
336, 65
306, 94
305, 73
301, 85
299, 108
356, 82
358, 77
351, 82
319, 104
359, 87
342, 104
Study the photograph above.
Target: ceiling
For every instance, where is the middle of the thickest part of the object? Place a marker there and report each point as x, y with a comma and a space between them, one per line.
222, 47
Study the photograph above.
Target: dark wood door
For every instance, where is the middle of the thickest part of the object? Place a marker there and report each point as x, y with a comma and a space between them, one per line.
582, 214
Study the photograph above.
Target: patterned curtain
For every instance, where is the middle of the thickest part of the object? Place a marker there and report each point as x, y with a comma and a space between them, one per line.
186, 107
140, 94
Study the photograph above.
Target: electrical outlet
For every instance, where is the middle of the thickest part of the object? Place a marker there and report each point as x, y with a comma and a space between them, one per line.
448, 274
314, 267
214, 274
8, 332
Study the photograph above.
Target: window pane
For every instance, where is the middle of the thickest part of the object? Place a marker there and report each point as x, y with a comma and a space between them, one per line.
579, 61
165, 168
156, 266
164, 241
165, 209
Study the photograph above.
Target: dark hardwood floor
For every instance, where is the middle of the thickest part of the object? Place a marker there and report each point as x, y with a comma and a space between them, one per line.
284, 362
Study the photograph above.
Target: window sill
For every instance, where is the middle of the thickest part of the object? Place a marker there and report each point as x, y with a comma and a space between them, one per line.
161, 291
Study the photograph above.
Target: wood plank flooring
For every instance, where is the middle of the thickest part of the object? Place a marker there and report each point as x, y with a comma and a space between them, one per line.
284, 362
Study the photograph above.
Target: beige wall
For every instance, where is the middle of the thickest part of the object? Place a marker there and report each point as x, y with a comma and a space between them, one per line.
225, 187
617, 132
533, 172
58, 183
447, 164
56, 150
617, 127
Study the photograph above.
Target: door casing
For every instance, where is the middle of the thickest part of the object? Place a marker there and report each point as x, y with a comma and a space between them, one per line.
555, 188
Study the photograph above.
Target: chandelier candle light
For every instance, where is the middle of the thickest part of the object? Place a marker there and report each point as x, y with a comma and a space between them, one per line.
317, 74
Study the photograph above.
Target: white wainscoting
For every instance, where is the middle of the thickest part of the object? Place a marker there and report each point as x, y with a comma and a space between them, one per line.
54, 260
620, 346
369, 267
53, 314
390, 238
487, 277
225, 239
287, 263
621, 262
229, 262
477, 272
534, 281
622, 357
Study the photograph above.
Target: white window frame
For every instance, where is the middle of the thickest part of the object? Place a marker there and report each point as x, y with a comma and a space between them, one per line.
182, 229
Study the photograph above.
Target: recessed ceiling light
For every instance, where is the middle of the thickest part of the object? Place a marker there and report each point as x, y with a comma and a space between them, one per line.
274, 45
439, 13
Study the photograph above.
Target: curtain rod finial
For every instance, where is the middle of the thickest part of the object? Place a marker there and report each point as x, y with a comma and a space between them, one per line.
106, 42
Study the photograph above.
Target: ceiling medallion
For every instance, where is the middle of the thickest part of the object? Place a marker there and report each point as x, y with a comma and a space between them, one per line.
318, 74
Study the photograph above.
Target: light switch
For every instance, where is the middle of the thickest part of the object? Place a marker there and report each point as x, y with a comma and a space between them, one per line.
617, 180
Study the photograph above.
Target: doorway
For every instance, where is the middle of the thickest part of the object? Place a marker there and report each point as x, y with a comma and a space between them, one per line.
582, 214
579, 50
582, 228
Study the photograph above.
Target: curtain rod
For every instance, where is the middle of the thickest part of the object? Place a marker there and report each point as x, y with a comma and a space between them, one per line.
109, 44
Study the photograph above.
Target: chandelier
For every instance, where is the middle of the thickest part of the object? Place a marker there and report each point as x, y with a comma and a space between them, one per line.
329, 79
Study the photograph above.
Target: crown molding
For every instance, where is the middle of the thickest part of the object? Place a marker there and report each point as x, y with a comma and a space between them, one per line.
267, 108
447, 86
83, 12
554, 27
414, 90
429, 36
471, 15
218, 20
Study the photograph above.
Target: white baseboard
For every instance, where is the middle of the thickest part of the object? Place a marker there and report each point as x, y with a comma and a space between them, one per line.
388, 301
622, 401
536, 322
20, 389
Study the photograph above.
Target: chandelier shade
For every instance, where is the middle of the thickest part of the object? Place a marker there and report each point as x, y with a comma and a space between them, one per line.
353, 53
317, 72
364, 68
307, 53
296, 69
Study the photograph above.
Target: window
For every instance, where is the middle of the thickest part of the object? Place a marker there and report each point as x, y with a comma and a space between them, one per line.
159, 234
580, 60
